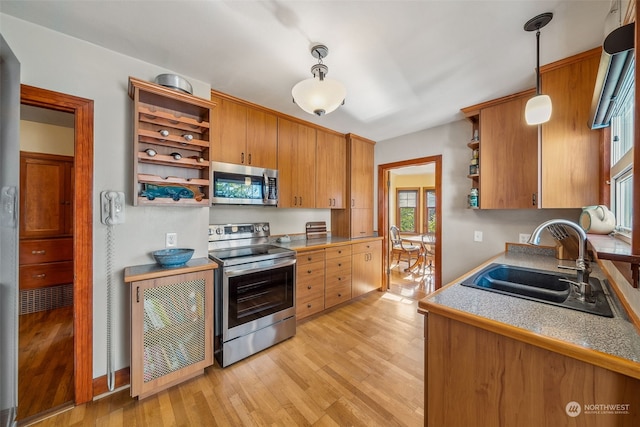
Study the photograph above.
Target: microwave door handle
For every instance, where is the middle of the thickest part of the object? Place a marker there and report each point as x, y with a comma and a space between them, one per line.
265, 187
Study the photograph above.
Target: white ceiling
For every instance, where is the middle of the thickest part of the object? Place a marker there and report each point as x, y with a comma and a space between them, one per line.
407, 65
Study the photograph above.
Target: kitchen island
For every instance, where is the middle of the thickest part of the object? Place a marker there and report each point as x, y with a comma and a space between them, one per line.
498, 360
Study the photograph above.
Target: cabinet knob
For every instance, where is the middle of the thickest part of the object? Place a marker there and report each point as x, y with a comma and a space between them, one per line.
339, 295
309, 287
308, 305
40, 252
309, 258
39, 276
308, 271
163, 132
339, 265
188, 137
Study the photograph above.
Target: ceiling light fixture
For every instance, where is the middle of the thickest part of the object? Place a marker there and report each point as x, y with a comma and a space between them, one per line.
319, 95
538, 109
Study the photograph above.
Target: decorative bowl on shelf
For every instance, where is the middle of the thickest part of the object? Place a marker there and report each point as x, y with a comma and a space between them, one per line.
172, 257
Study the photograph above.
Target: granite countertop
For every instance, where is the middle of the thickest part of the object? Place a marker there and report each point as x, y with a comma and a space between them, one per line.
612, 343
315, 244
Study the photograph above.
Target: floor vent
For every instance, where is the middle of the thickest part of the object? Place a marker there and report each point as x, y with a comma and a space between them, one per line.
41, 299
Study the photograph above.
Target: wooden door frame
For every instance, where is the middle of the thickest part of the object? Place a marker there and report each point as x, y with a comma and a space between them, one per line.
82, 229
383, 207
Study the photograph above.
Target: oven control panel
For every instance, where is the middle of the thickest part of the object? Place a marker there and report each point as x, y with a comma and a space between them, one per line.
238, 231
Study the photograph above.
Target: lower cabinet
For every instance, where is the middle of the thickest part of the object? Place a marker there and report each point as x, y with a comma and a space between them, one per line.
331, 276
46, 262
366, 270
171, 326
310, 283
337, 287
506, 382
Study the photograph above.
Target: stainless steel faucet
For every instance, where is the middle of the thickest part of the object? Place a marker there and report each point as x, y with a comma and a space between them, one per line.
557, 229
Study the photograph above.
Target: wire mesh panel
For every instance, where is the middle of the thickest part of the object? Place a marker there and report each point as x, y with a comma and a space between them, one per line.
174, 327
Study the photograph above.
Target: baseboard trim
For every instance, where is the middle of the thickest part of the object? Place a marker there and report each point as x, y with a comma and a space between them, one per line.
100, 383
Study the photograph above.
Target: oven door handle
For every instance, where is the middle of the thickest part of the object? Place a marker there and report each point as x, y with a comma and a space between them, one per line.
238, 271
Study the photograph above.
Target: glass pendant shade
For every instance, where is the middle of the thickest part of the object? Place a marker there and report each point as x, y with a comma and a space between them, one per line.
317, 96
538, 110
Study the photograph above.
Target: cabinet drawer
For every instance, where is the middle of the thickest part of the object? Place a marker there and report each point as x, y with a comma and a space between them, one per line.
337, 294
309, 289
310, 271
338, 280
338, 265
309, 307
366, 246
304, 258
41, 275
338, 251
45, 250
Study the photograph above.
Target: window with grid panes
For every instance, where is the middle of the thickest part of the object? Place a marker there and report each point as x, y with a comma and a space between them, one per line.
407, 203
622, 130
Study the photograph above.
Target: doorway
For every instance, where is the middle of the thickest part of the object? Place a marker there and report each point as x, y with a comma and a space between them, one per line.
81, 228
45, 321
425, 196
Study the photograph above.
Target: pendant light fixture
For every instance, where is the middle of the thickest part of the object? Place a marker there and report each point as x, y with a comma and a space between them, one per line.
319, 95
538, 109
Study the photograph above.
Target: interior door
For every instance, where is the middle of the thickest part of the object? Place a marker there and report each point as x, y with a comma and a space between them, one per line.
9, 190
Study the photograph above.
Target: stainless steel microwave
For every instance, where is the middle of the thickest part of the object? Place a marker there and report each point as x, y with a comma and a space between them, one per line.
244, 185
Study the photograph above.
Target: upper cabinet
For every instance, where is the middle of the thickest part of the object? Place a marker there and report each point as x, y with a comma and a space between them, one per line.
171, 146
296, 165
357, 219
570, 149
361, 177
561, 169
245, 135
46, 195
508, 156
331, 169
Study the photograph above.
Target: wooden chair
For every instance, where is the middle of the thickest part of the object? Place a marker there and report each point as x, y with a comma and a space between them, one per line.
428, 252
399, 248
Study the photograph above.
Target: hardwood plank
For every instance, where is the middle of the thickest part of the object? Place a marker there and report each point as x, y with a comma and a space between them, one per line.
360, 364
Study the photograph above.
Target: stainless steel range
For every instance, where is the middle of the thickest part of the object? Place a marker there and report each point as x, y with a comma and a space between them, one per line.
254, 291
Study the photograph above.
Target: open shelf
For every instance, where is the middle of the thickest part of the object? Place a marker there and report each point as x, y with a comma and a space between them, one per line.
168, 123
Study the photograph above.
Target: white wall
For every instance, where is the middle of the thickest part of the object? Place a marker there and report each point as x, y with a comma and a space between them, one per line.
46, 138
60, 63
459, 252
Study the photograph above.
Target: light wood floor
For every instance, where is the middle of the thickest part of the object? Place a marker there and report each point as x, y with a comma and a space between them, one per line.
414, 285
359, 365
45, 361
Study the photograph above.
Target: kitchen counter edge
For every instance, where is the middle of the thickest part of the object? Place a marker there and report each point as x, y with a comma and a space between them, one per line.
304, 245
613, 344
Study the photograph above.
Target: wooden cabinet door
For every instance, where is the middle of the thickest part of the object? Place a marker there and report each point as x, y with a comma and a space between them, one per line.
331, 167
508, 157
569, 148
287, 139
262, 139
361, 172
232, 146
366, 268
305, 167
361, 223
296, 165
45, 195
171, 330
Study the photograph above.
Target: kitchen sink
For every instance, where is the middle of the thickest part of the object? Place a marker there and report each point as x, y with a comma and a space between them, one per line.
539, 285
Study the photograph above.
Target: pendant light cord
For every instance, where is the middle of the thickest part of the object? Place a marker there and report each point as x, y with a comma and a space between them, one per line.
538, 61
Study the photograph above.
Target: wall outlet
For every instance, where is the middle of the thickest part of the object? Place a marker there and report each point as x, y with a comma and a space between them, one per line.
524, 238
171, 240
477, 236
